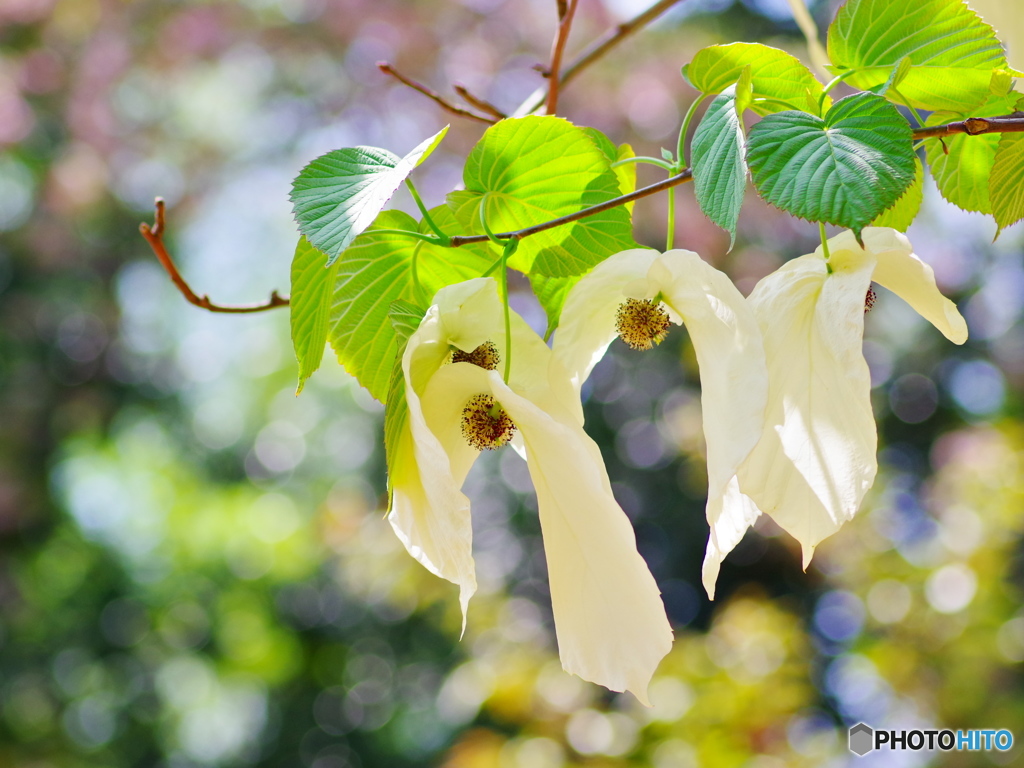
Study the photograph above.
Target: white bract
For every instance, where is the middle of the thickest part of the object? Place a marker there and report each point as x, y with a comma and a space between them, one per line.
727, 342
816, 459
609, 618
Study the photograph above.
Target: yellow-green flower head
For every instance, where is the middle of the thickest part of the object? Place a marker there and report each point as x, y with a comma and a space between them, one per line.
727, 342
609, 617
816, 458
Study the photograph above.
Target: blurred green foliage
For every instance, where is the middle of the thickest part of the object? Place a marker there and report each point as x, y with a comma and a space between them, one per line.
194, 565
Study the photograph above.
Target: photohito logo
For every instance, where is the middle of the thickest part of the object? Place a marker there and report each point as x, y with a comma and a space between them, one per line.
864, 739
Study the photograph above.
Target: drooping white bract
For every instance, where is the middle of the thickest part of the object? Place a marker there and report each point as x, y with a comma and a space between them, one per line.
609, 618
816, 459
727, 342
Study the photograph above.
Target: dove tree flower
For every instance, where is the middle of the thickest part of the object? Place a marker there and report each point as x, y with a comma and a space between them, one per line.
610, 621
816, 458
623, 296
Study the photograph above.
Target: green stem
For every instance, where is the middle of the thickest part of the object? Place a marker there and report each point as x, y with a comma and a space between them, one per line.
906, 103
824, 245
426, 214
415, 266
670, 167
669, 237
782, 102
408, 233
509, 249
684, 129
832, 84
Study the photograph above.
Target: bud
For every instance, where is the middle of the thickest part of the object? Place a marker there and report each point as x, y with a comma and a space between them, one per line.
485, 356
641, 323
869, 300
485, 423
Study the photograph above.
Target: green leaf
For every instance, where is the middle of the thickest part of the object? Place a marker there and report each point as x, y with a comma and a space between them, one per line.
903, 212
962, 167
719, 172
778, 78
529, 170
844, 169
405, 318
377, 270
551, 293
339, 194
625, 173
310, 307
952, 50
438, 266
1006, 183
898, 75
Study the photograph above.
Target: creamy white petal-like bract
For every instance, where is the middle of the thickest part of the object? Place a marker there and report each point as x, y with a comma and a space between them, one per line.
609, 617
727, 342
816, 458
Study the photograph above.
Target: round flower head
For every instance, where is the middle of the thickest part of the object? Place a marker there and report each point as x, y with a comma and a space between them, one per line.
485, 425
642, 323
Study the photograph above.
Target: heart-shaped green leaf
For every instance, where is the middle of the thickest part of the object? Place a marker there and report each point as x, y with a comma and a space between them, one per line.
338, 195
529, 170
778, 79
844, 169
953, 52
380, 268
719, 171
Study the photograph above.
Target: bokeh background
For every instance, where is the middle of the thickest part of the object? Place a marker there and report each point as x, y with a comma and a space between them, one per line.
195, 569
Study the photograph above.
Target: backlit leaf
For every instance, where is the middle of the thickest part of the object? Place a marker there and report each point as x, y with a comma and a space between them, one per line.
529, 170
1006, 183
310, 307
952, 50
779, 80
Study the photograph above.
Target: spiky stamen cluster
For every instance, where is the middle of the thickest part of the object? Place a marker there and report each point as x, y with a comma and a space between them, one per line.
485, 356
642, 323
869, 300
485, 423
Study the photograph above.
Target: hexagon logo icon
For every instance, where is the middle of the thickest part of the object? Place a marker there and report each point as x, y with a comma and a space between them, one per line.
862, 739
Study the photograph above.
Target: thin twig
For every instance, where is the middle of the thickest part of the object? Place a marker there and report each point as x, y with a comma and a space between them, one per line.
605, 43
557, 49
442, 102
975, 126
680, 178
972, 126
155, 237
476, 101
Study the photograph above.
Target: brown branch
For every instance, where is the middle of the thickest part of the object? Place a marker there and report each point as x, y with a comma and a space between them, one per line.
975, 126
476, 101
155, 237
442, 102
672, 181
605, 43
557, 49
